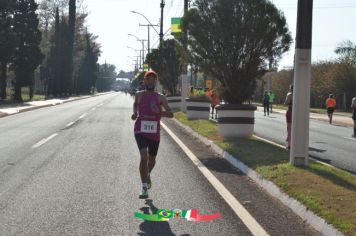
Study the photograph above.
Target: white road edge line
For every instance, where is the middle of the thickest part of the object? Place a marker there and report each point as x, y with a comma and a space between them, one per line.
43, 141
82, 116
236, 206
353, 139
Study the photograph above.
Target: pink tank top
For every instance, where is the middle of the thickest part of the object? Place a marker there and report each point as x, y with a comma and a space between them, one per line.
147, 122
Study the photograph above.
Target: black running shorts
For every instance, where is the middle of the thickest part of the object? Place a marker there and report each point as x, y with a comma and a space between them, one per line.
144, 143
330, 110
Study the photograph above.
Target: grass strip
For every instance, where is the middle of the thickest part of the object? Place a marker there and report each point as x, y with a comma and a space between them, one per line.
328, 192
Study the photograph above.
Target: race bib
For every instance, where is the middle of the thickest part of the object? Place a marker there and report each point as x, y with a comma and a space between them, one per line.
149, 127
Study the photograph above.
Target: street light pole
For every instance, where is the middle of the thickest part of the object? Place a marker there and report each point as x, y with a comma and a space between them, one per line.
143, 47
299, 153
148, 28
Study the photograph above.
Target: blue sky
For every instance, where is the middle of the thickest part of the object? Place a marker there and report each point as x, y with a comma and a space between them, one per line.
333, 22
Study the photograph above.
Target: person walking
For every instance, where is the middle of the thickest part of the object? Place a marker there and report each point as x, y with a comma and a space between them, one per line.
289, 102
353, 107
266, 103
214, 101
330, 107
271, 101
147, 112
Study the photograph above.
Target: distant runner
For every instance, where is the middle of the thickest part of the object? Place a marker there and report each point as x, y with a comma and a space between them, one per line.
147, 111
289, 102
330, 107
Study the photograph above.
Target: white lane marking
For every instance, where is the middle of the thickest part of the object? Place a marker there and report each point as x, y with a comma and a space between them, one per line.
82, 116
43, 141
70, 124
353, 139
236, 206
269, 141
93, 109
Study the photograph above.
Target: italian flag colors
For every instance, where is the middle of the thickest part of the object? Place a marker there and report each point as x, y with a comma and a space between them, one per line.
175, 26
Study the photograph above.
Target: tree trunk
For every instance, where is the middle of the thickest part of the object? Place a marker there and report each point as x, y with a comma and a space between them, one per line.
3, 75
31, 92
17, 95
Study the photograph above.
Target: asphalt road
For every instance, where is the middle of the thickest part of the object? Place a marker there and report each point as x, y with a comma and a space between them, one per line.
330, 143
72, 169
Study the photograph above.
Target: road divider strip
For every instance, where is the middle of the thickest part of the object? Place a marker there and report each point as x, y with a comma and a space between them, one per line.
254, 227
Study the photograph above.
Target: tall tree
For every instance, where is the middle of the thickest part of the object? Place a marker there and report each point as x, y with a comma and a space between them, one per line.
54, 60
27, 55
234, 41
7, 41
168, 64
88, 69
67, 31
347, 50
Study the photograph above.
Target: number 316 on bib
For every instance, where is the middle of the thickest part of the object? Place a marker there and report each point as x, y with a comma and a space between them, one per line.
149, 127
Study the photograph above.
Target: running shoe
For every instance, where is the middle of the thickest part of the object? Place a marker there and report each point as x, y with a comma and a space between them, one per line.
144, 194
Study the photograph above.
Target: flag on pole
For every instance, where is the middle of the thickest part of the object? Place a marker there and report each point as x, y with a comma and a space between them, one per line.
175, 26
145, 67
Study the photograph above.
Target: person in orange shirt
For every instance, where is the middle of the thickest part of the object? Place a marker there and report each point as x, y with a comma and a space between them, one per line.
214, 102
214, 99
330, 107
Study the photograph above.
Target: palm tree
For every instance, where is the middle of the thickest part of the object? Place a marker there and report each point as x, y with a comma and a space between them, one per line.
347, 50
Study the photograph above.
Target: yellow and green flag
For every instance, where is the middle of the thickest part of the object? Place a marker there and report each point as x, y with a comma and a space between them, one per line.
175, 26
145, 67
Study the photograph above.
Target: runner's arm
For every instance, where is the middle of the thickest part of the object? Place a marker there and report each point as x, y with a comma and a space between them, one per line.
167, 110
353, 103
134, 115
288, 99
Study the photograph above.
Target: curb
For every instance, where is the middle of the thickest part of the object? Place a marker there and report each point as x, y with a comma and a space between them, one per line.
2, 114
341, 123
299, 209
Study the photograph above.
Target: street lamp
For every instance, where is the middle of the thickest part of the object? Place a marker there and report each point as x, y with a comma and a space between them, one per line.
135, 12
148, 28
143, 47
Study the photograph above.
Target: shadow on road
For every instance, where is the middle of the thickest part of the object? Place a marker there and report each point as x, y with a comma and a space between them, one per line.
311, 149
220, 165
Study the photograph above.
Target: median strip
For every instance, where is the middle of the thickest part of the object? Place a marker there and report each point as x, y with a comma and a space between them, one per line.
328, 192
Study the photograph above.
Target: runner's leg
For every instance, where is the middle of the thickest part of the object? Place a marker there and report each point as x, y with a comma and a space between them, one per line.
142, 145
289, 129
152, 153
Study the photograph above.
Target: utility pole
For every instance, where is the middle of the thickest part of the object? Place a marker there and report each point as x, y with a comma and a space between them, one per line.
148, 37
161, 26
184, 76
299, 153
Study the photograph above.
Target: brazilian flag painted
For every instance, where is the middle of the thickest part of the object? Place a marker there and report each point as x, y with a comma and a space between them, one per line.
175, 26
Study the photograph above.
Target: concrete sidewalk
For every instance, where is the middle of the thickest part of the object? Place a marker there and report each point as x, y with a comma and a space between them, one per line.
10, 109
339, 118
